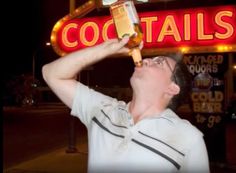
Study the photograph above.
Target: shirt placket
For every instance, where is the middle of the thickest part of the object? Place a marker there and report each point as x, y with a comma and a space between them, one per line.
128, 136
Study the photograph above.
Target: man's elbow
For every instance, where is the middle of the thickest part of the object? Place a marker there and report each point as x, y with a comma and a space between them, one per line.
45, 72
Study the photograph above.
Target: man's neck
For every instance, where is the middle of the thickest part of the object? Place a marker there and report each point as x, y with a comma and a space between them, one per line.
143, 107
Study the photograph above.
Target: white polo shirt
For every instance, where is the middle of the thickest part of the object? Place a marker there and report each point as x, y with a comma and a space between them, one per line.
163, 143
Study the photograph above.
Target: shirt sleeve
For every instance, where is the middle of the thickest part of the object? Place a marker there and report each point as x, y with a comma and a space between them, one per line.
86, 102
196, 160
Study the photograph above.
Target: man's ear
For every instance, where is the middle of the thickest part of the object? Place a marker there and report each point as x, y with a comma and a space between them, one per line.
173, 89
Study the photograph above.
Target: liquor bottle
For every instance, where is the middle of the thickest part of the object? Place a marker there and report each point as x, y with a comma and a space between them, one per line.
127, 22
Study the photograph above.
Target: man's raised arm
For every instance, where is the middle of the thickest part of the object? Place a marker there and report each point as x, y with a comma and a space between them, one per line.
60, 75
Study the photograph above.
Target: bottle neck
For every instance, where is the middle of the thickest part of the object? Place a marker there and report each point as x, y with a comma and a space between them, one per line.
137, 57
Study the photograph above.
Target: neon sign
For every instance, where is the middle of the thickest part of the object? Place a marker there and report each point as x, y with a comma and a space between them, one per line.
199, 29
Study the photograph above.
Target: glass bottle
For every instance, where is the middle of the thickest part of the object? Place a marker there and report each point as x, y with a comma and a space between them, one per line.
127, 22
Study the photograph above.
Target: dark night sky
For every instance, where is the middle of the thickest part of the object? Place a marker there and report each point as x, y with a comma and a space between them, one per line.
29, 31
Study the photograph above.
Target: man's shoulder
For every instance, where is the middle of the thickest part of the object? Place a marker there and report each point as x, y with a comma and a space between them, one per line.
183, 126
189, 129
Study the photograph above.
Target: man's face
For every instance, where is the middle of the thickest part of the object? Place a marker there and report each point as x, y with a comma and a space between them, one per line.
154, 76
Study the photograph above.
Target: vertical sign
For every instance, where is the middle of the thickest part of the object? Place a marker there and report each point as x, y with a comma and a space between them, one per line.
207, 98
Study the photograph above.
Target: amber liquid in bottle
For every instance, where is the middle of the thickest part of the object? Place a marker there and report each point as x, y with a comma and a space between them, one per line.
127, 22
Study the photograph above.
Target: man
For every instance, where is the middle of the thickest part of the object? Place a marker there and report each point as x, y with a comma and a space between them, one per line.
142, 136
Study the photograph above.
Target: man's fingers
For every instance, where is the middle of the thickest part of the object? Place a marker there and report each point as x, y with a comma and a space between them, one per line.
125, 40
117, 46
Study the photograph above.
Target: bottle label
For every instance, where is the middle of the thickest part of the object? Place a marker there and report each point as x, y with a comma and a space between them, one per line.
132, 12
124, 17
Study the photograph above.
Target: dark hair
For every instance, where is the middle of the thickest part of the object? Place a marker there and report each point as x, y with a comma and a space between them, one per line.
182, 78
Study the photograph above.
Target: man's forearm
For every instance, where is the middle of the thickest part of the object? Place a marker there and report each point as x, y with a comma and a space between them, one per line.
69, 66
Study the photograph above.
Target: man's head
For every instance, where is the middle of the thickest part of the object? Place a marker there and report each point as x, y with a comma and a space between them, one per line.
163, 77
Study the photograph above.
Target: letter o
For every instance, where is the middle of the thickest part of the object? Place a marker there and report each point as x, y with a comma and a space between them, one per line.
83, 29
203, 97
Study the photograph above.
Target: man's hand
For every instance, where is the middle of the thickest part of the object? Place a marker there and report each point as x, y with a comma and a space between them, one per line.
115, 46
